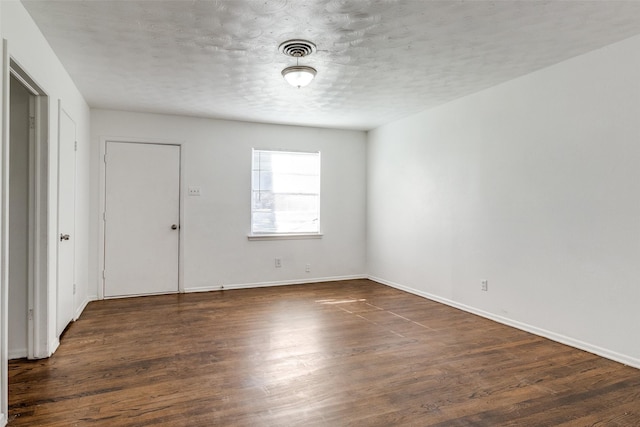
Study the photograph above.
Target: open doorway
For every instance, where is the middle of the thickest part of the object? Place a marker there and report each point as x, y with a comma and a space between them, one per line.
21, 138
26, 197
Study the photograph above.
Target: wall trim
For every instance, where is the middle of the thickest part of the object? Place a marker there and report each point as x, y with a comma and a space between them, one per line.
225, 287
40, 250
19, 353
3, 420
4, 232
54, 346
82, 306
562, 339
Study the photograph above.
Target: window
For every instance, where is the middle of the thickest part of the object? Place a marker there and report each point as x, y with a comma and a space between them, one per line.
285, 192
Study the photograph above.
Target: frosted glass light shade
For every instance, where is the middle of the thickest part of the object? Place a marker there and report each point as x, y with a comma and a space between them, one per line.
299, 75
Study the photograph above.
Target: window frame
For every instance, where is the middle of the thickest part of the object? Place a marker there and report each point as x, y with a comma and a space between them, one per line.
278, 235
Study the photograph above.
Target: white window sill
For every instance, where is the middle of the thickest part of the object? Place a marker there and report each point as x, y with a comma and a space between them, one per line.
284, 236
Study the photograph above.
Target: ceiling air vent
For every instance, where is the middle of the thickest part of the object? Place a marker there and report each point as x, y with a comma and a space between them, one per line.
297, 48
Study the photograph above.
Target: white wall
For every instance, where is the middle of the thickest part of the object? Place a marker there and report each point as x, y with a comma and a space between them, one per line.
215, 226
533, 185
30, 50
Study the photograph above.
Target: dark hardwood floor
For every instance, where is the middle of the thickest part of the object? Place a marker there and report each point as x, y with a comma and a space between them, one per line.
330, 354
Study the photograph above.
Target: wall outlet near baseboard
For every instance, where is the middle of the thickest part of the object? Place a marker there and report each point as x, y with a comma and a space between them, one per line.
278, 262
484, 285
307, 268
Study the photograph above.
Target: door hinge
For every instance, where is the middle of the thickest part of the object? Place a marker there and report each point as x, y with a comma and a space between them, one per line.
105, 158
31, 314
75, 145
104, 216
74, 288
32, 122
104, 274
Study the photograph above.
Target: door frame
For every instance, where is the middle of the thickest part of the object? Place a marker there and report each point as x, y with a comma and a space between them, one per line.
102, 205
41, 339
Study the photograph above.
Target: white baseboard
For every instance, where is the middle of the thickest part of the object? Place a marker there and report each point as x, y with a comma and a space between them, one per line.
3, 420
269, 284
19, 353
82, 306
53, 347
606, 353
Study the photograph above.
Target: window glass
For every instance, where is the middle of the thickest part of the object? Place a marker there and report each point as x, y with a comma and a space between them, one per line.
285, 192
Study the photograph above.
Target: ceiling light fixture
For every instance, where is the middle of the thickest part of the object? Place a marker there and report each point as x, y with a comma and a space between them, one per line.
298, 75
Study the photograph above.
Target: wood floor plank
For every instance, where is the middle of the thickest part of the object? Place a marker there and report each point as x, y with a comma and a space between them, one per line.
328, 354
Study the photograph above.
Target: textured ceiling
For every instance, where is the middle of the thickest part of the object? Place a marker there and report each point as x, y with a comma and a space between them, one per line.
377, 60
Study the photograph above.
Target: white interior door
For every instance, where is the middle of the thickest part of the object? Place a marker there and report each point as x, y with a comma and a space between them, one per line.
66, 221
142, 218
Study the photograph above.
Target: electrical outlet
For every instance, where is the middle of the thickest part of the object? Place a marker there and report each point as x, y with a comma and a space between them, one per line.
307, 268
194, 191
484, 285
278, 262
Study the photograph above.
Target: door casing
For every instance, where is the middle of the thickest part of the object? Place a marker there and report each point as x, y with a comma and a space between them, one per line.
42, 340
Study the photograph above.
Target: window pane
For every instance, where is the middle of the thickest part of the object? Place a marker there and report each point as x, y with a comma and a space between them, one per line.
290, 183
285, 192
